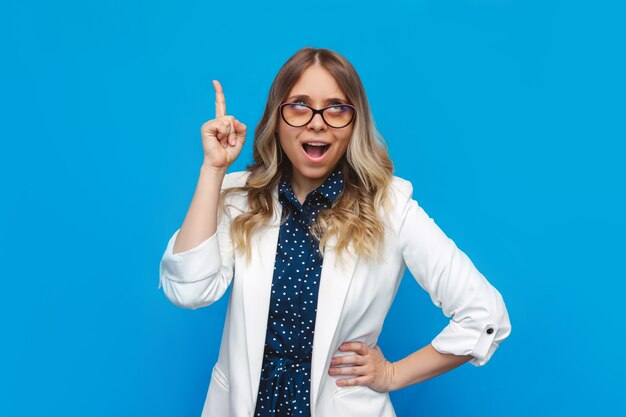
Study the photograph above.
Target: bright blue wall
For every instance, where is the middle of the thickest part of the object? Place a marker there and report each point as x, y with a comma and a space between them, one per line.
508, 117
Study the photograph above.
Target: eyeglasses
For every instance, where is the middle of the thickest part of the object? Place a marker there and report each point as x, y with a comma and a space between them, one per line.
299, 114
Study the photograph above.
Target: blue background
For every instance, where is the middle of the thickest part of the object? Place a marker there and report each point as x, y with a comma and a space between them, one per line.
507, 116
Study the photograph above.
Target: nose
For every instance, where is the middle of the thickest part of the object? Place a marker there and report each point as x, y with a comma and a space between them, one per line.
317, 123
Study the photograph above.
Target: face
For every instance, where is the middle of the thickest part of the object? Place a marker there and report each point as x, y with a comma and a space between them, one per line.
318, 89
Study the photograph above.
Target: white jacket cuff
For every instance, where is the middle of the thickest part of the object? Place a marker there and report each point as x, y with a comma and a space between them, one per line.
457, 341
192, 265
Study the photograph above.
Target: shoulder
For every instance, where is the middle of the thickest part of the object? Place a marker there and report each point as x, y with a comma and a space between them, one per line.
235, 199
400, 189
399, 197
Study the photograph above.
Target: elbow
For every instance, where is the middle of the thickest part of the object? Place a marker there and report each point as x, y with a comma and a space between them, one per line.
478, 332
185, 299
494, 331
194, 294
193, 281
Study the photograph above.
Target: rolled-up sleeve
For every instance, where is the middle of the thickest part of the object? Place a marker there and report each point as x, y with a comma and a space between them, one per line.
199, 276
479, 318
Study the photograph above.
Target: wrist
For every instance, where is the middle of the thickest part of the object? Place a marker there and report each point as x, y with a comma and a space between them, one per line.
393, 377
212, 170
400, 375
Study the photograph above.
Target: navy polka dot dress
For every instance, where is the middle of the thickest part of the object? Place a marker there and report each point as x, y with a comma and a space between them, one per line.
284, 389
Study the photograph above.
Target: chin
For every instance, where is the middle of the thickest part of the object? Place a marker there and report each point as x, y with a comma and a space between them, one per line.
314, 172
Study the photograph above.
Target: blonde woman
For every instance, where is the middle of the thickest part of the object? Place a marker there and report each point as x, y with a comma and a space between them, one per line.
314, 238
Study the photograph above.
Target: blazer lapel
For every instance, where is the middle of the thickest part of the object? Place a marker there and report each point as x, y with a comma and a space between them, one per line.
335, 280
257, 285
334, 283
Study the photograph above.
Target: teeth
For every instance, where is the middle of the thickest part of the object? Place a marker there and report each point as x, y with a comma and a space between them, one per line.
316, 144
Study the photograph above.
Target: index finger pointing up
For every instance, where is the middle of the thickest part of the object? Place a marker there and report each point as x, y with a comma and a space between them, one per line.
220, 101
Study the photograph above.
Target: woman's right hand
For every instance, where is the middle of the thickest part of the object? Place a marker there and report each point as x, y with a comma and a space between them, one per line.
222, 137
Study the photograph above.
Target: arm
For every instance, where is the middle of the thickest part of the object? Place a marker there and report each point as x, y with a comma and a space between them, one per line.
198, 276
479, 318
422, 365
201, 220
197, 265
369, 367
222, 140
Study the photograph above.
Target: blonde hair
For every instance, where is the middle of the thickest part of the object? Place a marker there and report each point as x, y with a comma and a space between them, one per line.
366, 167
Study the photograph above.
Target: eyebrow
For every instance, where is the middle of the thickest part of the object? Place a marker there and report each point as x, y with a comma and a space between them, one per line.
332, 100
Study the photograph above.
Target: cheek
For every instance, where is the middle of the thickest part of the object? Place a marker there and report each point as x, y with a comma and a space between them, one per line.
287, 133
344, 140
282, 135
287, 140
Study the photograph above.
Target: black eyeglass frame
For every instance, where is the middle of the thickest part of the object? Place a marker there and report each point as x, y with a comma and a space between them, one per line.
318, 111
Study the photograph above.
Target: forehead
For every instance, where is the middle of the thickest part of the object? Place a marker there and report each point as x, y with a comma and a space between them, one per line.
317, 83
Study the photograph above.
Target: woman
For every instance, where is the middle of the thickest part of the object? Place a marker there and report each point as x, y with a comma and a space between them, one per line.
314, 238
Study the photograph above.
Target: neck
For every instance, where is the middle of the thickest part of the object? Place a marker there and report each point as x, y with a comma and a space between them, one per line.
302, 186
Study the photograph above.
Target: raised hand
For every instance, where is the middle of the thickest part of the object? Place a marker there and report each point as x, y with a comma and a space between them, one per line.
222, 137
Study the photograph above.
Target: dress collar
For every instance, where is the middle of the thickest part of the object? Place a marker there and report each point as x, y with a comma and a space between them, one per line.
330, 189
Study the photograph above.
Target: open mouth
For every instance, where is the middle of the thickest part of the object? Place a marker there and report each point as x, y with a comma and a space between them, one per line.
315, 149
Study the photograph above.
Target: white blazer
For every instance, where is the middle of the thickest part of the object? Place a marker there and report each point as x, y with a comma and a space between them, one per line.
354, 298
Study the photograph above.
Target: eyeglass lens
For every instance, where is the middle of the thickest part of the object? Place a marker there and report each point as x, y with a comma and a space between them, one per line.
298, 115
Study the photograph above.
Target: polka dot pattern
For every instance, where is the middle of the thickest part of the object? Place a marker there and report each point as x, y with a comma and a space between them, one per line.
284, 389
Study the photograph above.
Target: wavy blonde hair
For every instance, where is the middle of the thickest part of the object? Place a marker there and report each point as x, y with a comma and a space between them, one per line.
366, 166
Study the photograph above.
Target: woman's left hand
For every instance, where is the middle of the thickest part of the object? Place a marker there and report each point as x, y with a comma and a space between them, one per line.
368, 367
